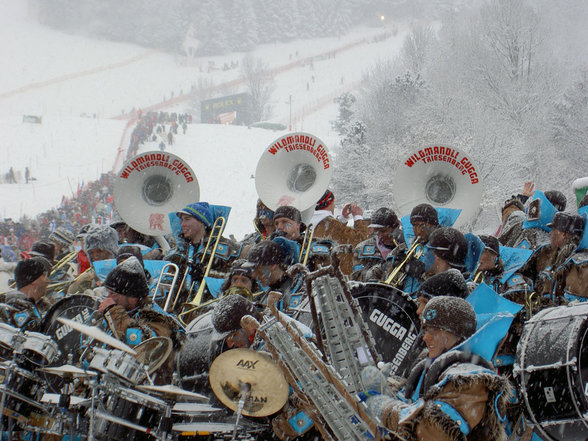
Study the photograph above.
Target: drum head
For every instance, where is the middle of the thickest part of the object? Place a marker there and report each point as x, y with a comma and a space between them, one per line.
552, 361
78, 307
391, 316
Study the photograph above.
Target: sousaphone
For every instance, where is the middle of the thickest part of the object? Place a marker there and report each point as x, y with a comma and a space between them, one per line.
151, 185
441, 176
294, 170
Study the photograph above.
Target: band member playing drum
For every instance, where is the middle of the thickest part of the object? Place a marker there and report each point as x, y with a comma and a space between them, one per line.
130, 315
21, 305
269, 261
450, 395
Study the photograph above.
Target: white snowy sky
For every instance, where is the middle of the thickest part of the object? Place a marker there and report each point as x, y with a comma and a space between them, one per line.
65, 79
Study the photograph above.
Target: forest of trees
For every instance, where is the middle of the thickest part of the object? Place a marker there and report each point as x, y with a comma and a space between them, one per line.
220, 25
503, 82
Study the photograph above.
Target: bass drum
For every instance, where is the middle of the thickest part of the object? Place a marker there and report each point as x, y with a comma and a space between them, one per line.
391, 316
80, 308
551, 370
203, 344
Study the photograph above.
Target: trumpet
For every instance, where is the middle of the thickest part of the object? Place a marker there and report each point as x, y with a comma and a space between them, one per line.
398, 274
211, 246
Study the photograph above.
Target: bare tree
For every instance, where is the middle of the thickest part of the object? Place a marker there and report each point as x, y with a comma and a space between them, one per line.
260, 85
416, 48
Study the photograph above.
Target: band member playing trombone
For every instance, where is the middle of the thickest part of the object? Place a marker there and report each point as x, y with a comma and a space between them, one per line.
375, 250
405, 267
206, 248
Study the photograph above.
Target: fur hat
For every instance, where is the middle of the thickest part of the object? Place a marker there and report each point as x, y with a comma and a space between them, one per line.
62, 236
450, 245
563, 222
491, 243
228, 312
43, 248
557, 199
448, 283
579, 225
128, 279
384, 218
27, 271
263, 212
288, 212
325, 200
452, 314
424, 213
199, 210
100, 237
266, 252
126, 251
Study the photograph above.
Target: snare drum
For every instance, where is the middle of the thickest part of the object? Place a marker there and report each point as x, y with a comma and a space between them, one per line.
126, 367
100, 359
391, 316
129, 415
22, 391
39, 349
551, 370
7, 341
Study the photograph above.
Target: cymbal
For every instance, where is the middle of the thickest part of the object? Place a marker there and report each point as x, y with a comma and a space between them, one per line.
98, 334
171, 390
234, 372
154, 352
68, 370
203, 428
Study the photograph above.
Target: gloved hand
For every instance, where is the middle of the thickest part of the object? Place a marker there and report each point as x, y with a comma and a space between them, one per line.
415, 268
377, 404
373, 379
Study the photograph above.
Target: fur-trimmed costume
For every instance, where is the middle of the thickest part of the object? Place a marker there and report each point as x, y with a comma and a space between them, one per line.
145, 323
456, 397
334, 232
22, 312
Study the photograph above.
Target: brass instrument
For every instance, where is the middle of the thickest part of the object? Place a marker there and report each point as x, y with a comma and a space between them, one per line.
398, 274
306, 245
63, 285
442, 177
169, 270
214, 236
62, 262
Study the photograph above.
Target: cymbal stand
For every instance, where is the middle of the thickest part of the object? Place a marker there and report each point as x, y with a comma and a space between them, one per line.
93, 387
245, 388
19, 339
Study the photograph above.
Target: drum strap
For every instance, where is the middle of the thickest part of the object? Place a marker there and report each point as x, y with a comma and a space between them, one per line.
520, 431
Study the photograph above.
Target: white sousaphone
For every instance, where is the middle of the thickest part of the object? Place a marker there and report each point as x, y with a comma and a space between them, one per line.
151, 185
294, 170
441, 176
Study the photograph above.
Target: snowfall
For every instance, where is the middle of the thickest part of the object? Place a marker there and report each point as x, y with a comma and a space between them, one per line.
85, 90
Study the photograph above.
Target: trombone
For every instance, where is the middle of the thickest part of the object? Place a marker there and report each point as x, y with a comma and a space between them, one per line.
398, 274
62, 262
196, 302
306, 245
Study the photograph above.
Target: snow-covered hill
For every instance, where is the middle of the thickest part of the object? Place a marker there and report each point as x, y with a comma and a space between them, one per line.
81, 87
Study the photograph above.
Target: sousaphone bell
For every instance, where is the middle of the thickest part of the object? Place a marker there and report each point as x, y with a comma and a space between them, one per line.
151, 185
294, 170
441, 176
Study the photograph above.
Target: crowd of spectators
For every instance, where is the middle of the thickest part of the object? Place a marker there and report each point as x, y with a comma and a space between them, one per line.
93, 201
